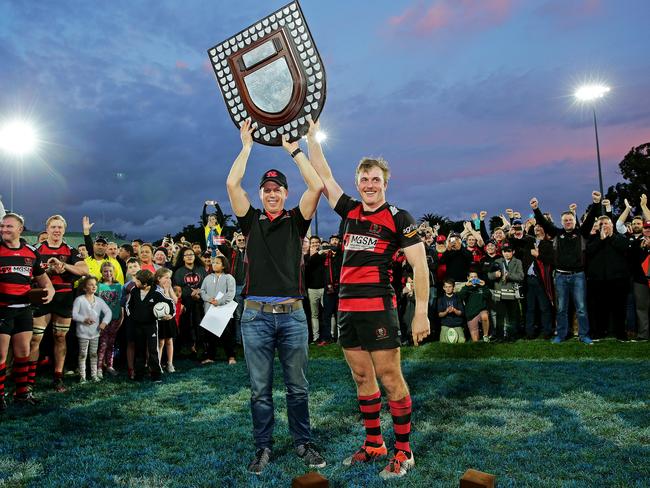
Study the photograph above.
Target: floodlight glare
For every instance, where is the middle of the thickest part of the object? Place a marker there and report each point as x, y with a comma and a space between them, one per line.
320, 136
18, 138
587, 93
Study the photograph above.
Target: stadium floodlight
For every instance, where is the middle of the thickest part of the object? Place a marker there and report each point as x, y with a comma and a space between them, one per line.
590, 94
18, 138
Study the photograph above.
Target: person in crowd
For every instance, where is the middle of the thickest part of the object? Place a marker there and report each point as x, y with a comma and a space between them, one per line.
140, 308
189, 275
97, 253
112, 250
125, 253
537, 261
368, 324
332, 272
206, 259
218, 289
273, 317
315, 280
213, 226
146, 258
476, 299
609, 276
236, 256
132, 268
92, 315
82, 251
458, 260
110, 291
64, 268
20, 263
135, 244
196, 247
167, 328
569, 243
451, 312
160, 258
507, 275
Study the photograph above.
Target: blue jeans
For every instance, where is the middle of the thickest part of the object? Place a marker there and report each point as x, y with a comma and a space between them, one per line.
536, 298
262, 333
573, 285
238, 311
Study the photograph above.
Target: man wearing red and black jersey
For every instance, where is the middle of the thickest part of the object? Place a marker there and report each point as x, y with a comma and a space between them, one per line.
368, 324
19, 264
64, 267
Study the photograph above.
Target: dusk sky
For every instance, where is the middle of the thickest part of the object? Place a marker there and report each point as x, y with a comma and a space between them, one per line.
470, 101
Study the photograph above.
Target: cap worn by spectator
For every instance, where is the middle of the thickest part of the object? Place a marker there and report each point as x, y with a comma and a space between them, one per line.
441, 238
517, 222
163, 249
275, 176
506, 247
101, 239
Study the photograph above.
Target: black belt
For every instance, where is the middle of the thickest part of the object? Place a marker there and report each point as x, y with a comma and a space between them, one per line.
567, 272
273, 307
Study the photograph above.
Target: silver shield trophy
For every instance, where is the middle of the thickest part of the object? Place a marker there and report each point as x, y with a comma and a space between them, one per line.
272, 73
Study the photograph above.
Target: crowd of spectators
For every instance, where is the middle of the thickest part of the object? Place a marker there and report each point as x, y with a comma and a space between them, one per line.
528, 278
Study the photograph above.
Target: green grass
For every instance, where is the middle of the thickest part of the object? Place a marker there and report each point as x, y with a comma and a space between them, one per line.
532, 413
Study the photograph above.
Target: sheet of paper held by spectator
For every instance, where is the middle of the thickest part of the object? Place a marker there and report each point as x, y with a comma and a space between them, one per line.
216, 318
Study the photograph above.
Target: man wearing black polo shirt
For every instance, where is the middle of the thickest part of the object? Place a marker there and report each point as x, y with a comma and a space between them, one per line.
19, 264
373, 231
273, 316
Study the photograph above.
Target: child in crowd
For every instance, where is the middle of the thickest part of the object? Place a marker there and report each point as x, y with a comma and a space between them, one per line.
475, 296
111, 292
508, 274
91, 315
217, 289
450, 311
213, 225
140, 309
167, 330
132, 268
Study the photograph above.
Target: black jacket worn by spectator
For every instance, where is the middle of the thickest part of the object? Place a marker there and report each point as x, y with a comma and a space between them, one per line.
607, 258
315, 270
458, 263
569, 246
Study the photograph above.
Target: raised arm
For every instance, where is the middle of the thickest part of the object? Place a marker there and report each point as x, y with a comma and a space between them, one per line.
238, 198
332, 189
309, 199
620, 223
86, 225
549, 228
416, 257
644, 207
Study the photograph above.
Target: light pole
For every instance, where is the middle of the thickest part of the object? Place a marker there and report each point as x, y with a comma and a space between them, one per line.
17, 139
590, 94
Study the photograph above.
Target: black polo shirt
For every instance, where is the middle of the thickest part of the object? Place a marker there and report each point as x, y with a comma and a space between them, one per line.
274, 261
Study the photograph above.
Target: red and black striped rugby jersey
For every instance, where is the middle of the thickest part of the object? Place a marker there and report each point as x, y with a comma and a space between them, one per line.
63, 283
17, 268
370, 240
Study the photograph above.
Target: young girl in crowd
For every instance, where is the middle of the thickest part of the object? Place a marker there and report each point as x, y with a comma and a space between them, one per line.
140, 309
218, 289
91, 315
111, 292
146, 258
167, 328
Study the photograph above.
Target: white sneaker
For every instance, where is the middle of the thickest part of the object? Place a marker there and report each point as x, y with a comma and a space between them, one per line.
398, 466
110, 370
170, 368
100, 375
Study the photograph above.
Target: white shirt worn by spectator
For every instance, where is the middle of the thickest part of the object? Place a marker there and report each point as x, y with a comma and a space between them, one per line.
83, 309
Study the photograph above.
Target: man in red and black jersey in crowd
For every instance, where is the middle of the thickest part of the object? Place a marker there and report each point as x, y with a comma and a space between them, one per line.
373, 231
19, 264
64, 267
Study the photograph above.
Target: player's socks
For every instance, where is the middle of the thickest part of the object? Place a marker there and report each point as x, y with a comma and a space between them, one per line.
370, 408
400, 410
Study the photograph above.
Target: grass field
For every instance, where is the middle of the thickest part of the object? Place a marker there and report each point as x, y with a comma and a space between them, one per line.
534, 414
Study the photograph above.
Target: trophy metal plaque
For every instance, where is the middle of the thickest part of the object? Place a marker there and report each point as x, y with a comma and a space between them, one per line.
272, 73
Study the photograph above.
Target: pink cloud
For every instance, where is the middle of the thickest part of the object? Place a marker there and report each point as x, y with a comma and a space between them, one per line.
181, 64
425, 19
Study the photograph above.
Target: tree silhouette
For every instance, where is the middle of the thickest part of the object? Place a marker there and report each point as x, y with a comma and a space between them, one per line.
635, 169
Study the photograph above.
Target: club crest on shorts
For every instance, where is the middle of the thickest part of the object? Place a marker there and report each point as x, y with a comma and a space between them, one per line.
381, 333
272, 73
